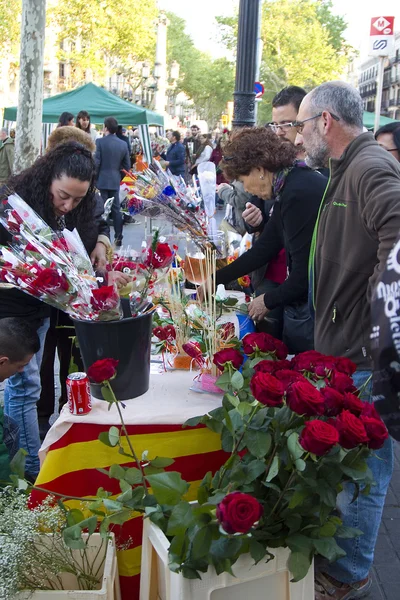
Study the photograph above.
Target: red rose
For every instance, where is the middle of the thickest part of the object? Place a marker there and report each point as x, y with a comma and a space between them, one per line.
267, 389
160, 333
286, 376
60, 244
342, 383
351, 430
238, 512
376, 431
102, 370
125, 266
333, 401
161, 257
264, 343
311, 360
304, 399
50, 281
31, 248
345, 365
104, 298
170, 332
353, 404
271, 366
229, 355
369, 410
318, 437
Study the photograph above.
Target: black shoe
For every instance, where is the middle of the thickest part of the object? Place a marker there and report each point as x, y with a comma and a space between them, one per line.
118, 243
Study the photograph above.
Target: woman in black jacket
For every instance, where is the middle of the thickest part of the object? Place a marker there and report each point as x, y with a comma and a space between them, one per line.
60, 188
268, 169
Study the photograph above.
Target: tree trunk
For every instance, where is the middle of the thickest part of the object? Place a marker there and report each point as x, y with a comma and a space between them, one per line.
30, 98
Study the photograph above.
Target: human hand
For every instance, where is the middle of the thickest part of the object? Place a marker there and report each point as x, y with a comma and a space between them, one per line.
252, 215
166, 163
222, 186
257, 309
99, 257
118, 278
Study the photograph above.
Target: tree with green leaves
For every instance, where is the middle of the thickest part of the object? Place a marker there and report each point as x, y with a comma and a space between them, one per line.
209, 83
10, 26
303, 44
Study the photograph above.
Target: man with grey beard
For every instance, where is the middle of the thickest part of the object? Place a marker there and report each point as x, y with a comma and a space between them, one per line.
358, 222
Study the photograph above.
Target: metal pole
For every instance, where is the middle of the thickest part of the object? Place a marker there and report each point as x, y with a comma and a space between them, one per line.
246, 64
378, 101
259, 58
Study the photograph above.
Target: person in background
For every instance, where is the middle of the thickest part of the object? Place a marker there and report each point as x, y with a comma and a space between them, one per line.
19, 342
175, 155
192, 144
59, 186
83, 123
12, 134
388, 137
111, 158
285, 106
66, 118
6, 155
121, 134
203, 153
358, 223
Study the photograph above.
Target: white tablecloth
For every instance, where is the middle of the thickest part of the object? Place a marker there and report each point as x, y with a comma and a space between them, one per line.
168, 401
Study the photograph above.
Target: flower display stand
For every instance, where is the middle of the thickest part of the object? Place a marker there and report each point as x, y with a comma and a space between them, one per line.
267, 580
109, 589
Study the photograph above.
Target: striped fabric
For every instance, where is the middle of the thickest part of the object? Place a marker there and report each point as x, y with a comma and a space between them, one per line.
144, 135
71, 465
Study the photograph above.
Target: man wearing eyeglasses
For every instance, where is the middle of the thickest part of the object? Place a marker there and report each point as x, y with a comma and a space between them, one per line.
285, 106
358, 223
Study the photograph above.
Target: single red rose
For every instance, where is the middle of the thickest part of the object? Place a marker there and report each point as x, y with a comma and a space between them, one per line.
31, 248
376, 431
353, 404
345, 365
271, 366
264, 343
124, 266
239, 512
333, 401
286, 377
351, 430
161, 257
342, 383
103, 370
306, 361
226, 331
104, 298
50, 281
229, 355
304, 399
318, 437
267, 389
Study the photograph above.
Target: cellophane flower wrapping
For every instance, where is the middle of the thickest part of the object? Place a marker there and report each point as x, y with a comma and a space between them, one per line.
52, 266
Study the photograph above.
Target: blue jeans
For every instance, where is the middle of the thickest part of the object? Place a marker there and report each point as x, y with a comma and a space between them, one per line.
21, 393
366, 512
11, 436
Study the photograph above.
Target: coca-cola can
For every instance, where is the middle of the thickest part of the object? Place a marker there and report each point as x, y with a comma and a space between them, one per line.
78, 394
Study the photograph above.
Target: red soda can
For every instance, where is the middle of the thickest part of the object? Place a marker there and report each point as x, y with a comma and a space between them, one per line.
78, 394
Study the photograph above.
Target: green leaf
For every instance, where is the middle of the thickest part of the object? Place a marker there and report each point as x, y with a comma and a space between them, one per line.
295, 450
160, 462
201, 543
190, 573
17, 464
117, 472
244, 408
327, 530
253, 469
237, 380
107, 394
347, 533
111, 437
326, 493
328, 547
119, 518
168, 487
133, 476
234, 400
257, 550
111, 505
74, 516
181, 518
224, 381
193, 422
300, 464
274, 469
298, 498
178, 547
299, 565
258, 442
226, 547
126, 495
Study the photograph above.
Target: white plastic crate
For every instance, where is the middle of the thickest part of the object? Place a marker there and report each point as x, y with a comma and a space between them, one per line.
110, 589
269, 581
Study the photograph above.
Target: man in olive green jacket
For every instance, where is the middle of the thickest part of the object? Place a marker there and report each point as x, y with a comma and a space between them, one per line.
6, 156
358, 223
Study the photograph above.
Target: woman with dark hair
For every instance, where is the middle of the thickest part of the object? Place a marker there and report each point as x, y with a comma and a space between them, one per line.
66, 118
83, 123
59, 186
388, 137
268, 168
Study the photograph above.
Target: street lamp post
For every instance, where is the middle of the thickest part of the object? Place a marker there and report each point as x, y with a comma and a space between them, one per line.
246, 64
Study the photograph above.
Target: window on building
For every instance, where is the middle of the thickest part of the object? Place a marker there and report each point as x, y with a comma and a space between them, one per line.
61, 70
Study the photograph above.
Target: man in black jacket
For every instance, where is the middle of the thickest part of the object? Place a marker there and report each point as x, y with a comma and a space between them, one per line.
175, 155
111, 157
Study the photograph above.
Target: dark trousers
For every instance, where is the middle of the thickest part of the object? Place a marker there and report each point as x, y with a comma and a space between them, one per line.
58, 338
273, 324
116, 214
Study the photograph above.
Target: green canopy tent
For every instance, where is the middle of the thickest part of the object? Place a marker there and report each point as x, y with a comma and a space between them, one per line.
369, 120
98, 102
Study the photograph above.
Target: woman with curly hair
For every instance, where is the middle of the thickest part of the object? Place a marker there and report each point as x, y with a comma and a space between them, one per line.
268, 168
59, 186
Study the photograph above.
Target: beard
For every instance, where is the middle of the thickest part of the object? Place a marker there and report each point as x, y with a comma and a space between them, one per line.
317, 152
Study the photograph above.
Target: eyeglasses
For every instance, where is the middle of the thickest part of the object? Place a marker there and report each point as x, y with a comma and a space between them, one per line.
299, 125
391, 149
281, 126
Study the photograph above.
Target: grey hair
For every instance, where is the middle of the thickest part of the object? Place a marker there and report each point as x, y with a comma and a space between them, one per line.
341, 99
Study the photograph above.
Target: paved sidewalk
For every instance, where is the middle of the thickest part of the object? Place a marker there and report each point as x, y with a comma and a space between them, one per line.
386, 571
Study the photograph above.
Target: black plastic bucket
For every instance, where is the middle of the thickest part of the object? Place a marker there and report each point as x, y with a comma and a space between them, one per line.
128, 341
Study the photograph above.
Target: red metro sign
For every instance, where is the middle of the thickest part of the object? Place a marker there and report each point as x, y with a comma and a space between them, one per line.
382, 26
381, 37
